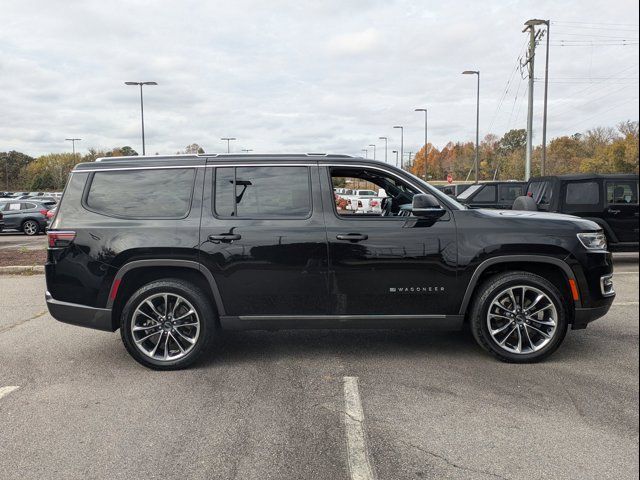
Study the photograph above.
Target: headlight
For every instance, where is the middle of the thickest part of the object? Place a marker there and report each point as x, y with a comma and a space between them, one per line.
593, 241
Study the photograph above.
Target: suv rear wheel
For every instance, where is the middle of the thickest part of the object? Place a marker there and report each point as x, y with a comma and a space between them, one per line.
167, 324
519, 317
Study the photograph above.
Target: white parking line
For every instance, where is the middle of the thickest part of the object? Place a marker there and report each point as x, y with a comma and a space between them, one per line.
624, 304
4, 391
625, 273
357, 454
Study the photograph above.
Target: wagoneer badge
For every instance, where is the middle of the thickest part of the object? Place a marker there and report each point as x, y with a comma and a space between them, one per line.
432, 289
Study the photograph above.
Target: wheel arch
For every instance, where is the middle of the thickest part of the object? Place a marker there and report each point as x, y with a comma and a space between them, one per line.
134, 274
552, 268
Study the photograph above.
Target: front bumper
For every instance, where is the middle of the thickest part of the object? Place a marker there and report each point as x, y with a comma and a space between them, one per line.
584, 316
81, 315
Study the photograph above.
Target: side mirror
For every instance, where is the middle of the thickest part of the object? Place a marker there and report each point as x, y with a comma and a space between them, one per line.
425, 205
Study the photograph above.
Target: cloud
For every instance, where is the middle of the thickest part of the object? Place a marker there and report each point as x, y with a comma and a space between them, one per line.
354, 43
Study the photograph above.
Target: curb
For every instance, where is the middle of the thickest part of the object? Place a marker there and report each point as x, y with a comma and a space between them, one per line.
22, 270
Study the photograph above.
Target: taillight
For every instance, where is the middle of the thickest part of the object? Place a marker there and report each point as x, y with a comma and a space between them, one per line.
374, 203
43, 212
60, 239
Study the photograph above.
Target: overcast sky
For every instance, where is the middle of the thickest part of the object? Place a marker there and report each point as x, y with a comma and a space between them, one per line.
298, 76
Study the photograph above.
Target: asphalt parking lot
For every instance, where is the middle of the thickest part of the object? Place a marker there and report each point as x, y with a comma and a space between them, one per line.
316, 404
13, 239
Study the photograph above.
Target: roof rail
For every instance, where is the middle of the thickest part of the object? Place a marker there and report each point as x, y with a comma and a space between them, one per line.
140, 157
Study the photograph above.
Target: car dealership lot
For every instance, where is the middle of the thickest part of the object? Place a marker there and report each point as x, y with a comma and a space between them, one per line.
272, 405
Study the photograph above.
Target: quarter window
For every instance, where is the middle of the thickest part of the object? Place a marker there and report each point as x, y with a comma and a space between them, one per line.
262, 192
162, 193
508, 193
582, 193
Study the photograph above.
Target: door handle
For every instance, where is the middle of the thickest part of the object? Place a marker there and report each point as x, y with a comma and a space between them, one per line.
352, 237
225, 237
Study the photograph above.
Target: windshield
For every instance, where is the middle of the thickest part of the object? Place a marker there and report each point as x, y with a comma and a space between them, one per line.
468, 192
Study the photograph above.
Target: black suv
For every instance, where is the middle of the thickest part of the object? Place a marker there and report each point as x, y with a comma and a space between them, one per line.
609, 200
172, 249
492, 194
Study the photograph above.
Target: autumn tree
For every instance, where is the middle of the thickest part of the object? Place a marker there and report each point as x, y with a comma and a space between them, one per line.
50, 172
13, 163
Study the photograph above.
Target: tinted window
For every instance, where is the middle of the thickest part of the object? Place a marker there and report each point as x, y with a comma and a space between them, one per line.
582, 193
28, 206
164, 193
468, 192
622, 192
508, 193
487, 194
254, 192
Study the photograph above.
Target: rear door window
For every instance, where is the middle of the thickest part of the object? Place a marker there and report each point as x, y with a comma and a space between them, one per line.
508, 193
262, 192
145, 193
622, 192
582, 193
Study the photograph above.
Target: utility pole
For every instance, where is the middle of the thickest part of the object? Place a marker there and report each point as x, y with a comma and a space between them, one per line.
533, 36
543, 163
73, 144
385, 147
476, 163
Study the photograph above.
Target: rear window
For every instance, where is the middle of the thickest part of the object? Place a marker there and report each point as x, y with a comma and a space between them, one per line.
162, 193
262, 192
582, 193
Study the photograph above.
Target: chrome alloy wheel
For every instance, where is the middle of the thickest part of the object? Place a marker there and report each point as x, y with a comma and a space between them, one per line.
522, 319
165, 327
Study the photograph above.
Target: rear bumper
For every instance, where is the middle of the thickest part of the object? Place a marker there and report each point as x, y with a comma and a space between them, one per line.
81, 315
584, 316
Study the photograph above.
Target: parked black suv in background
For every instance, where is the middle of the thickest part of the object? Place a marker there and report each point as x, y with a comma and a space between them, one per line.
611, 201
492, 194
171, 249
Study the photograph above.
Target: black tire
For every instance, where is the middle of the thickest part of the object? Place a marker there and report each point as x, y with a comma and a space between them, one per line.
484, 297
200, 303
30, 227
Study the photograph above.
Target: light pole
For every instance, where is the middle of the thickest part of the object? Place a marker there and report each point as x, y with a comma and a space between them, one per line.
374, 150
477, 160
366, 153
73, 144
426, 148
396, 152
141, 107
401, 143
385, 147
228, 139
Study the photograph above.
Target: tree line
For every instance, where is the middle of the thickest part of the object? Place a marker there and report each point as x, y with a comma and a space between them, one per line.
599, 150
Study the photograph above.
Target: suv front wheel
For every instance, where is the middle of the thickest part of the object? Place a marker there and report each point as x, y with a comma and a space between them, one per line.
167, 324
519, 317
